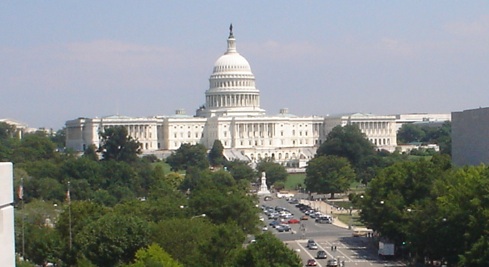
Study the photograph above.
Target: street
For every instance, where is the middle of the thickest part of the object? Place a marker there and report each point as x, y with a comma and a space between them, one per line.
353, 251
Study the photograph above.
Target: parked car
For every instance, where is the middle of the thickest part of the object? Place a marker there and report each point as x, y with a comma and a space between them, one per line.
311, 262
321, 255
293, 221
282, 228
274, 223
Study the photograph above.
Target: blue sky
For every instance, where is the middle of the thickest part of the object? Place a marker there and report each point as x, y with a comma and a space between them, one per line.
60, 60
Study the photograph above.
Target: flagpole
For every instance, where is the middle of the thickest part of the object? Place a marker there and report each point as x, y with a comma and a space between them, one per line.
21, 196
69, 214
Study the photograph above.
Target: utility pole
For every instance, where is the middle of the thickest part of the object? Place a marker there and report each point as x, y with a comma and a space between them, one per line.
68, 198
21, 197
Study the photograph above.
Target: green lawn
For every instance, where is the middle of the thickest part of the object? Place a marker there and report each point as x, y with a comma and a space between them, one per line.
166, 167
293, 180
353, 220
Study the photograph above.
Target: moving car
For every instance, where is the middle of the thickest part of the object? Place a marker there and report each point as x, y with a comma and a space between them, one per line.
311, 244
311, 262
321, 255
332, 263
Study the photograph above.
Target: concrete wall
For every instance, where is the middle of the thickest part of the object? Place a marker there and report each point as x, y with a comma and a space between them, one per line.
7, 238
470, 137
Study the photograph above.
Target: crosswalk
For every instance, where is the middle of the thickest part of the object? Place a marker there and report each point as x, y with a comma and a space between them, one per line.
349, 254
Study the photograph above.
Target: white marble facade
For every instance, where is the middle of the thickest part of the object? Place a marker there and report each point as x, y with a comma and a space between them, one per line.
232, 114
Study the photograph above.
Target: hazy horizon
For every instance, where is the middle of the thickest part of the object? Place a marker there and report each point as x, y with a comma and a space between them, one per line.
63, 59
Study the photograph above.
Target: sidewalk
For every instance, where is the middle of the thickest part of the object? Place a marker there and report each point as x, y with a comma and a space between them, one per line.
328, 209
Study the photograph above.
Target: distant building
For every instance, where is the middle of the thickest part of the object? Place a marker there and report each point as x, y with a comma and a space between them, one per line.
232, 114
470, 137
435, 119
379, 129
21, 127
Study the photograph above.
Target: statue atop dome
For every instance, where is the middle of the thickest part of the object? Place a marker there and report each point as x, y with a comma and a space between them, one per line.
231, 31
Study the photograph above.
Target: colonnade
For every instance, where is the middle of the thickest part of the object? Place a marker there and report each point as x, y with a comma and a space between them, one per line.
139, 131
375, 127
244, 130
234, 100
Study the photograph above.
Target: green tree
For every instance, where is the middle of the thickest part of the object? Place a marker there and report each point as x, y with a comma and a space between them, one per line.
113, 239
240, 170
7, 130
42, 244
59, 138
216, 156
183, 239
117, 145
410, 133
91, 153
73, 219
274, 171
396, 190
348, 142
218, 196
153, 256
34, 147
329, 175
189, 156
267, 251
224, 241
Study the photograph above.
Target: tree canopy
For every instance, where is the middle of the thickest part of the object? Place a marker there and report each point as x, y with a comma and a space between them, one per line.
117, 144
348, 142
216, 156
268, 251
189, 156
274, 171
329, 175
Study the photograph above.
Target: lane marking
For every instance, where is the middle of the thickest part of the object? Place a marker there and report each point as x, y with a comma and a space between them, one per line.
307, 252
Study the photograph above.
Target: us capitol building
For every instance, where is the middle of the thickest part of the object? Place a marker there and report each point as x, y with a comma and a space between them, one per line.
232, 114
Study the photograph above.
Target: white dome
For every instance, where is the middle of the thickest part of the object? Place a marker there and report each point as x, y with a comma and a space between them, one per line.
232, 90
232, 62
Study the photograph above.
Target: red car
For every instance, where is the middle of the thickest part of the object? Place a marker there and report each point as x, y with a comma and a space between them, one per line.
292, 221
311, 262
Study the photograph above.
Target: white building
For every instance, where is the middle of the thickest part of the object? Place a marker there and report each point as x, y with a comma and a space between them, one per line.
425, 118
7, 238
379, 129
232, 114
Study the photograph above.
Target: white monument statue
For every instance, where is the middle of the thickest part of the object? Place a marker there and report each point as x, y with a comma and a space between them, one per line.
263, 186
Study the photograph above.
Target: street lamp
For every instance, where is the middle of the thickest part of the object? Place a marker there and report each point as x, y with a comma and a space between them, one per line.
201, 215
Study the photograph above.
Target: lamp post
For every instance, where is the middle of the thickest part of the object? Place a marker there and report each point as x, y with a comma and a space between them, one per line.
196, 216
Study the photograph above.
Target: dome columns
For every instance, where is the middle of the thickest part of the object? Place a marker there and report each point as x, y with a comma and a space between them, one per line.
232, 100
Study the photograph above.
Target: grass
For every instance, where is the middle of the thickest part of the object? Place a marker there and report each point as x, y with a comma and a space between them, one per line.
347, 219
293, 180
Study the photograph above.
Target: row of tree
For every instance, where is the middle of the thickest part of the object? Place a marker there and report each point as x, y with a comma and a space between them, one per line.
124, 210
432, 210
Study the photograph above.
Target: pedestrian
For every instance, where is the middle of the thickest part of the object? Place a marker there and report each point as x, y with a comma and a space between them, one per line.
334, 248
331, 248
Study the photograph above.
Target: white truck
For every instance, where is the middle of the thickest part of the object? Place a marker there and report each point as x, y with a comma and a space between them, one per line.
386, 249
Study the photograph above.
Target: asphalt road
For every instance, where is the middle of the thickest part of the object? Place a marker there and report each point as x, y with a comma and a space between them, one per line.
354, 251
